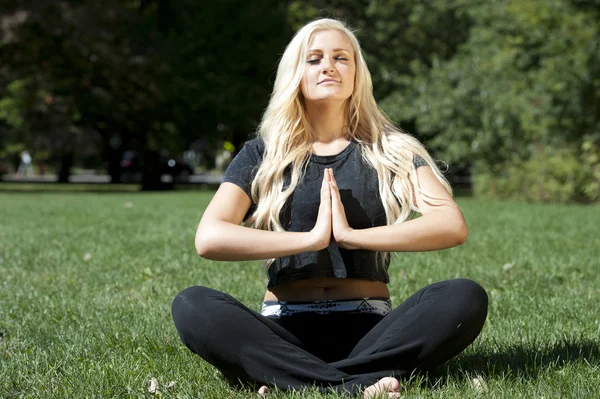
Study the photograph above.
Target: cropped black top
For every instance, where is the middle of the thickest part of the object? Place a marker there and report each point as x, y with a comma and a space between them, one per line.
358, 185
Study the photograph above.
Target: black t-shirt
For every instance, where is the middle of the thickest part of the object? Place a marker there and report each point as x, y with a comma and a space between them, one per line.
359, 190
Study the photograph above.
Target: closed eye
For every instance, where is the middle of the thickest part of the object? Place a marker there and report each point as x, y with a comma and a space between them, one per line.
317, 61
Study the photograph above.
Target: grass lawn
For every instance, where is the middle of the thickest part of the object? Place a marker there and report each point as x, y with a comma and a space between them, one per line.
87, 280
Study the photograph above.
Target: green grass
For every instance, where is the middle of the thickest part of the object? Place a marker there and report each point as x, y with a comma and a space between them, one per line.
25, 187
86, 283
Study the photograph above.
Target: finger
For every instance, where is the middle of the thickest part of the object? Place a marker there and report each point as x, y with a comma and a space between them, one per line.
325, 192
325, 182
335, 192
332, 179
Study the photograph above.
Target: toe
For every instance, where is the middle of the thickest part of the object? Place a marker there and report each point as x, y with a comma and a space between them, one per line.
390, 384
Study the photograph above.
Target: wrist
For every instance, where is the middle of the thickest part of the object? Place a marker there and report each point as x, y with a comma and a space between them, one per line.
348, 239
314, 242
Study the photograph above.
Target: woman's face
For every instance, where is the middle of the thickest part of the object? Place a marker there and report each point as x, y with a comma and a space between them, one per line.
330, 69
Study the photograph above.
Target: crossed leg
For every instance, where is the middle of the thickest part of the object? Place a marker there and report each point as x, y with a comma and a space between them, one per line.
432, 326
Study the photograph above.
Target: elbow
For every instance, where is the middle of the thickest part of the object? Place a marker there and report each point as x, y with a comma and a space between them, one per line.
204, 244
460, 234
202, 249
458, 228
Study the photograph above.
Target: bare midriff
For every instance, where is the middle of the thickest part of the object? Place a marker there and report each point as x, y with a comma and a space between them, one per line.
327, 288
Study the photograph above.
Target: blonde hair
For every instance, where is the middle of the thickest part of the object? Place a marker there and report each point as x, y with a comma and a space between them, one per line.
287, 137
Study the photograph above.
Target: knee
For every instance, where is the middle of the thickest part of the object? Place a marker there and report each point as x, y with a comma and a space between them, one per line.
191, 304
473, 299
196, 294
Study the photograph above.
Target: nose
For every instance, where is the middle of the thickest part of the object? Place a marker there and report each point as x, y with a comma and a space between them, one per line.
328, 65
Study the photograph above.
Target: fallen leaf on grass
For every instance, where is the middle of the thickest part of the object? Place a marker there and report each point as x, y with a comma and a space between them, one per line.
87, 256
507, 266
480, 385
153, 386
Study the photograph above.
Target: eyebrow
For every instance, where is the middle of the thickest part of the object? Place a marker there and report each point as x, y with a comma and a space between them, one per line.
320, 51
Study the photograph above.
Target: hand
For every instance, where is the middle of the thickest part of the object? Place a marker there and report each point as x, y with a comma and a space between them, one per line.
321, 233
340, 226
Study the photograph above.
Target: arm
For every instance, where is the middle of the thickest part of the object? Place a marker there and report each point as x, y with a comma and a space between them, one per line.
439, 227
221, 237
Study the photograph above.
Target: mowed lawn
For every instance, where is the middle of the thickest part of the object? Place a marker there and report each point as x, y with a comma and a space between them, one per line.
87, 280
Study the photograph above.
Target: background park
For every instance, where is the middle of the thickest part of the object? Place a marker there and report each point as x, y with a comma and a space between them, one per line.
130, 110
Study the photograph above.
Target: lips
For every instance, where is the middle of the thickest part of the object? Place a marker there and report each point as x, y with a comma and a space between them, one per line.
328, 80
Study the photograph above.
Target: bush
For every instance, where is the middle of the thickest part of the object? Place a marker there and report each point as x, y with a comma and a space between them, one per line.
591, 158
549, 175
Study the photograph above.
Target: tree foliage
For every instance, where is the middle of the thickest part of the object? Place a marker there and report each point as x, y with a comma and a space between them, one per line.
526, 77
120, 75
488, 86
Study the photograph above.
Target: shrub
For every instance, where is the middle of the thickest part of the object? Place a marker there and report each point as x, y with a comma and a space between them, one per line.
549, 175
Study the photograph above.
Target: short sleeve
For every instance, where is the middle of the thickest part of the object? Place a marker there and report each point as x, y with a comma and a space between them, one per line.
418, 161
243, 167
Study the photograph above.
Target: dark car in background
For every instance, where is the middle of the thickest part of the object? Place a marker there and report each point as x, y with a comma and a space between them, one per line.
178, 170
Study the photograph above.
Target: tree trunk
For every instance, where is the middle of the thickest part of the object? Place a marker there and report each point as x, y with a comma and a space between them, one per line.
151, 172
64, 171
114, 165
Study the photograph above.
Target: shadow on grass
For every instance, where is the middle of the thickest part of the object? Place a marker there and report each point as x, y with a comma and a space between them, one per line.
520, 361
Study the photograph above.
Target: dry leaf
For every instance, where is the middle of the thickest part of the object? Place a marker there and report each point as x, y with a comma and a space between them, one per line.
480, 385
507, 266
153, 386
87, 256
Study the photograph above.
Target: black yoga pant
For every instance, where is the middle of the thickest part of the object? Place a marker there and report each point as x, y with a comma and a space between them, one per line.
338, 351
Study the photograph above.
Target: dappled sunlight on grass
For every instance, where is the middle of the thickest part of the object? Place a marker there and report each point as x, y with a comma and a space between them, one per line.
87, 283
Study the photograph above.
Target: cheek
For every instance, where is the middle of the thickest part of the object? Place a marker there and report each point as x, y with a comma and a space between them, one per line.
308, 80
350, 76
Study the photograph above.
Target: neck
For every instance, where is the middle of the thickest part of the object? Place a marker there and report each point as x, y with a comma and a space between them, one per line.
328, 121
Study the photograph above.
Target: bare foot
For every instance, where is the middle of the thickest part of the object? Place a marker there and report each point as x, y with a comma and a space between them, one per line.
388, 384
263, 391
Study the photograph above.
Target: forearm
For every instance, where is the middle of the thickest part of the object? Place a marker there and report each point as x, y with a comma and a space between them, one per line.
229, 242
426, 233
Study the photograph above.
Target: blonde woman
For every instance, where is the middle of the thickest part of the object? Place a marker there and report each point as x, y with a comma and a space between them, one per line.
324, 194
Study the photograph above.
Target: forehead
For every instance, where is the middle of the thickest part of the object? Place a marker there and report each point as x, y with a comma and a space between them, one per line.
329, 40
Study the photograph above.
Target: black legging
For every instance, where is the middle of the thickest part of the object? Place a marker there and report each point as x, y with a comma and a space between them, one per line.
338, 351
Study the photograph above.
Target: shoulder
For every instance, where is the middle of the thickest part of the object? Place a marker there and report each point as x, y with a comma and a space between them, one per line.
256, 145
251, 153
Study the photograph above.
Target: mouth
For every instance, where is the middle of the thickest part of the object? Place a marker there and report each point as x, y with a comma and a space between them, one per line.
328, 81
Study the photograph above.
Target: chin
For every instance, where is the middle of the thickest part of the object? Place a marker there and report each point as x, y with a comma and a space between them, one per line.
329, 98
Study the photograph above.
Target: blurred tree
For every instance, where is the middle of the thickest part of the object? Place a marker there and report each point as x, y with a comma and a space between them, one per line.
81, 76
527, 78
221, 59
483, 84
148, 75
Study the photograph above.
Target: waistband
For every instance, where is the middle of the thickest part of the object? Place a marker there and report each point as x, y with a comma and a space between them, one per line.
379, 306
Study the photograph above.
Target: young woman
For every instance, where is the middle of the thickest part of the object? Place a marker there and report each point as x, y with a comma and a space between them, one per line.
327, 191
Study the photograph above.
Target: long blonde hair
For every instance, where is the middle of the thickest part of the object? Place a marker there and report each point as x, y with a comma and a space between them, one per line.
287, 136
